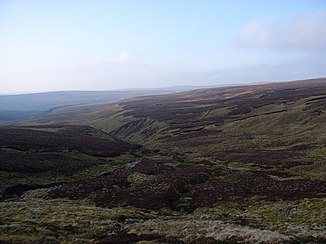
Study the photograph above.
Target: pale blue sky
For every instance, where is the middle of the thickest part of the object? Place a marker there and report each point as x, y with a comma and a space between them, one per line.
104, 45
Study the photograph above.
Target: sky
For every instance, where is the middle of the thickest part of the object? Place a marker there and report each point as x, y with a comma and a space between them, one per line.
108, 45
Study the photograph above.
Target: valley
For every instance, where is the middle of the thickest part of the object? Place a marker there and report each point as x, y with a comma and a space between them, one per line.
241, 164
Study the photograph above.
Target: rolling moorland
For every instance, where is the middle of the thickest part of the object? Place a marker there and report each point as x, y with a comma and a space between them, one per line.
242, 164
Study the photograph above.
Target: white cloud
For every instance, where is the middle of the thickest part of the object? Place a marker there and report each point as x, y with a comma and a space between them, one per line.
123, 58
303, 33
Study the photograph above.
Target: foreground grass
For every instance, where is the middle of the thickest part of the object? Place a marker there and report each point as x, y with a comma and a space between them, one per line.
38, 220
34, 219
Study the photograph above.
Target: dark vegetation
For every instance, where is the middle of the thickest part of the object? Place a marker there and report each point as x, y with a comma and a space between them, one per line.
237, 164
159, 186
72, 138
42, 153
164, 187
40, 162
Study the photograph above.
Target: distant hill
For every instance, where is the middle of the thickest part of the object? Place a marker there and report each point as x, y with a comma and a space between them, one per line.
15, 107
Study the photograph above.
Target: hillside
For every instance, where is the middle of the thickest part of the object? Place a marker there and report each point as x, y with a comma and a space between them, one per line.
235, 164
270, 113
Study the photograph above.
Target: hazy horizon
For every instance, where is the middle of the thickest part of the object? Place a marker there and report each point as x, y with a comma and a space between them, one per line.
116, 45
